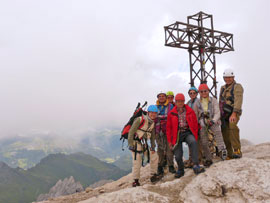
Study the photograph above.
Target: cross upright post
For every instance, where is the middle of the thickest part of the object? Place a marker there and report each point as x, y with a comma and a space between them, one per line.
202, 44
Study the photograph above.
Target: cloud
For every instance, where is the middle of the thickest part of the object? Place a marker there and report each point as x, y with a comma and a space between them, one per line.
71, 65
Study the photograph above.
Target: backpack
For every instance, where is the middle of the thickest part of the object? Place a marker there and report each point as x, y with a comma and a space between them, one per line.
137, 113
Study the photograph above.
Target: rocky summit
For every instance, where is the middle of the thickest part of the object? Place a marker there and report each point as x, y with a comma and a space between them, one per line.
66, 187
239, 180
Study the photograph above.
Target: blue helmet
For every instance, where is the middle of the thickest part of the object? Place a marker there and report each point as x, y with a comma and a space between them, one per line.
194, 89
152, 108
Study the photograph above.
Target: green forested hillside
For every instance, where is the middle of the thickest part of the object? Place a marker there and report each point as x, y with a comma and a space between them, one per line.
23, 186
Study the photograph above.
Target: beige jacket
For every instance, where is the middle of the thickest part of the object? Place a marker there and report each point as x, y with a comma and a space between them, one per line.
147, 131
213, 111
237, 100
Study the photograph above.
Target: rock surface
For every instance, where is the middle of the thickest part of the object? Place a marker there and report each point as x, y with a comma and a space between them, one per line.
241, 180
100, 183
66, 187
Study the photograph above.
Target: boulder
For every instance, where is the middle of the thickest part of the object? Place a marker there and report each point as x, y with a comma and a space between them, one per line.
66, 187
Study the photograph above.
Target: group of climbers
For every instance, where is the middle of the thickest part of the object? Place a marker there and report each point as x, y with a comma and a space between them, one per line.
208, 127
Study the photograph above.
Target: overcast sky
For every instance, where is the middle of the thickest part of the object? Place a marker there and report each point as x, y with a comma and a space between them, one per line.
73, 65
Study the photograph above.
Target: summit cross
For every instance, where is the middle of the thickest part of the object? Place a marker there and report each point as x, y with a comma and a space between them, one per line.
202, 44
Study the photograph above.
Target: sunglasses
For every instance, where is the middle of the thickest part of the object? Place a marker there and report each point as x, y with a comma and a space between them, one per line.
192, 93
203, 91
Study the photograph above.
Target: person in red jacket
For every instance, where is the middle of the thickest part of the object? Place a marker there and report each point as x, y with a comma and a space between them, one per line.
182, 126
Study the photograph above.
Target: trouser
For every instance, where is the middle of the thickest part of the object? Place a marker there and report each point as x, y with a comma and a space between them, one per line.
215, 128
200, 152
138, 162
164, 151
189, 138
230, 132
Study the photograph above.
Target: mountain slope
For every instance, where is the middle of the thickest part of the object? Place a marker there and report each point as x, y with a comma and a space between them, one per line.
241, 180
23, 186
17, 185
84, 168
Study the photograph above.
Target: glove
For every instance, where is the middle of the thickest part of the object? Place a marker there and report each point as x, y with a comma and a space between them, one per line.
131, 148
171, 146
211, 123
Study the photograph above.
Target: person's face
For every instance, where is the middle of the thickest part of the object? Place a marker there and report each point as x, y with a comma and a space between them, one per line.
162, 98
152, 115
192, 94
204, 93
179, 103
170, 98
228, 80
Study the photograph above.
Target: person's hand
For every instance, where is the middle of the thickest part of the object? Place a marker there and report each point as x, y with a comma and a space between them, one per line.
131, 148
171, 146
232, 118
210, 123
152, 150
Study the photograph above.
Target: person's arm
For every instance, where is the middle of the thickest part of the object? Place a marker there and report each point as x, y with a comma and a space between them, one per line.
216, 116
238, 98
196, 108
133, 130
153, 139
168, 129
195, 124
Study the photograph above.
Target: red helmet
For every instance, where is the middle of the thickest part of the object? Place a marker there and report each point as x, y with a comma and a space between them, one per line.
179, 96
203, 87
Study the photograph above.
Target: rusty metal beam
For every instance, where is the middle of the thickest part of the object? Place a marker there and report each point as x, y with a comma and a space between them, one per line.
202, 44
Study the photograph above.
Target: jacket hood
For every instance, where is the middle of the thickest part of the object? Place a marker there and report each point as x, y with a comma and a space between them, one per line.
166, 103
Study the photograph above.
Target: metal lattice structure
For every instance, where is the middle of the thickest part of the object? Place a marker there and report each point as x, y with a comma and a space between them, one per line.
202, 44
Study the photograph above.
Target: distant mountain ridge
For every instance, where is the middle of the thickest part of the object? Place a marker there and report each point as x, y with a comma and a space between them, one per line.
26, 152
18, 185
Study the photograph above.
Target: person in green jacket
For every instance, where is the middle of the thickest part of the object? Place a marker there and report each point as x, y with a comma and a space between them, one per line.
230, 102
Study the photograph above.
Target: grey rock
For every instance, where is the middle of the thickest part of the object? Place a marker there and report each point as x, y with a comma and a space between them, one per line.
245, 142
100, 183
66, 187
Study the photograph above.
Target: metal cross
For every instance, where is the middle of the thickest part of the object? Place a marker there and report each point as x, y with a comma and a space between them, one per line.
202, 44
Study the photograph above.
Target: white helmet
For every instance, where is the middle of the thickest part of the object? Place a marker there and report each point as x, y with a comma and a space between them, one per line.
228, 73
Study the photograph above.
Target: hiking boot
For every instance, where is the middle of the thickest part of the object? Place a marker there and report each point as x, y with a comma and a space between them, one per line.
237, 154
188, 164
136, 183
179, 173
154, 178
208, 163
172, 169
223, 154
160, 171
198, 169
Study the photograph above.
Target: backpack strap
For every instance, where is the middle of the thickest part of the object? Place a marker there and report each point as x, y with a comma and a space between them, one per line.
231, 98
221, 92
142, 122
232, 93
166, 110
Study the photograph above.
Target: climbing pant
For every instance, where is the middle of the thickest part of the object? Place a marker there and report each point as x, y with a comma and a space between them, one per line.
204, 139
189, 138
230, 132
200, 152
164, 150
138, 162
